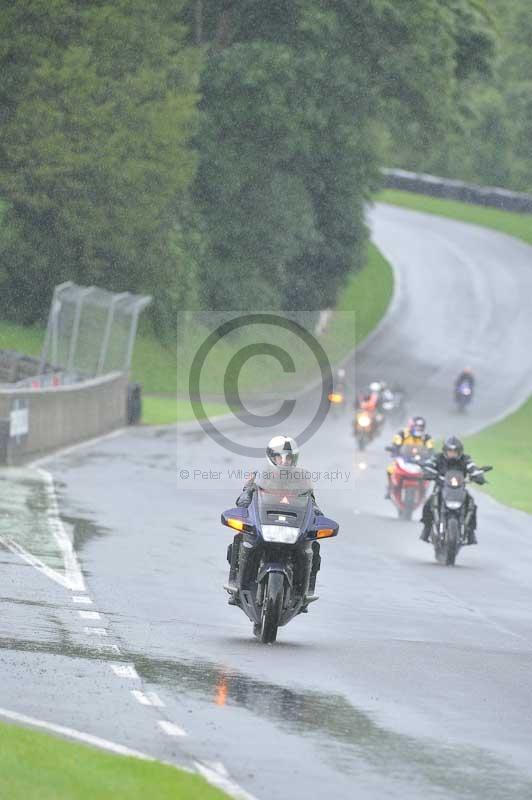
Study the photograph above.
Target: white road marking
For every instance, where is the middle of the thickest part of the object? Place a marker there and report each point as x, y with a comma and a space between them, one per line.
72, 733
170, 728
125, 671
82, 599
147, 698
89, 614
217, 775
74, 577
95, 631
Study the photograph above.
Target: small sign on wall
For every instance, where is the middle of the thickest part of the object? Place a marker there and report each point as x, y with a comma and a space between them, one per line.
19, 419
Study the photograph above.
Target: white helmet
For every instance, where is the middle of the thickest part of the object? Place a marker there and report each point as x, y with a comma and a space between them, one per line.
376, 386
341, 373
282, 451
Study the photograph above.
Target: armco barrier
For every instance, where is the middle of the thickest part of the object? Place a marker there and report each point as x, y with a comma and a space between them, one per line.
457, 190
37, 421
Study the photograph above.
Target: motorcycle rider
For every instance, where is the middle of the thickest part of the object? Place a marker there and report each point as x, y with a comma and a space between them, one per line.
367, 401
466, 376
453, 457
281, 452
414, 434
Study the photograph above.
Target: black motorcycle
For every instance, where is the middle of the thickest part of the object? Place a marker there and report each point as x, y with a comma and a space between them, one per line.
450, 511
279, 530
463, 395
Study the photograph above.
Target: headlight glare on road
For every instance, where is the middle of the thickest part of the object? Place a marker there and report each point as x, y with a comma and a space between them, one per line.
280, 533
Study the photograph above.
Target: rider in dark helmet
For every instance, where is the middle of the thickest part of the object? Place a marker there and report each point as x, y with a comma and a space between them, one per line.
453, 457
281, 452
466, 376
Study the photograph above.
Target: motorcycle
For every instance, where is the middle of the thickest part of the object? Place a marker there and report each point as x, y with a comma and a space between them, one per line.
450, 514
408, 484
463, 395
366, 426
279, 529
336, 401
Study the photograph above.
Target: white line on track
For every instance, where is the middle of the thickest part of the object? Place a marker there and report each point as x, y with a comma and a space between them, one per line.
74, 578
217, 775
125, 671
95, 631
147, 698
89, 614
170, 728
82, 599
72, 733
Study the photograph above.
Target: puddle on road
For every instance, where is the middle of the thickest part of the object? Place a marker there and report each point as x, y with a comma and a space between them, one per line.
31, 526
349, 736
24, 507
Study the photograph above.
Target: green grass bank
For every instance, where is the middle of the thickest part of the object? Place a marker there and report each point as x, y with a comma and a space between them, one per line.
507, 445
35, 765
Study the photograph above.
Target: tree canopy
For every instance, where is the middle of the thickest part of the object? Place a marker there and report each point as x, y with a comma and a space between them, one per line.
220, 153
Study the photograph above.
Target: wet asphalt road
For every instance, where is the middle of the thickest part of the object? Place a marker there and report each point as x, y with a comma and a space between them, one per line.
406, 678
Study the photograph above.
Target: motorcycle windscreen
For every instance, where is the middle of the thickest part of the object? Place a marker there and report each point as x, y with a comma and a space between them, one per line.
414, 454
454, 486
283, 496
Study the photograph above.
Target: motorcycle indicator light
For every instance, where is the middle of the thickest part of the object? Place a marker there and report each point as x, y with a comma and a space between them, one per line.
335, 397
237, 524
324, 533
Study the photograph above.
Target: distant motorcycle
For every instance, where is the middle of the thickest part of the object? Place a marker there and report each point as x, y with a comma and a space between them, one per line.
366, 426
449, 530
408, 482
463, 394
336, 401
279, 529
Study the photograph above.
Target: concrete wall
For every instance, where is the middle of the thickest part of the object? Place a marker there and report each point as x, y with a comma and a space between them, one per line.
60, 416
457, 190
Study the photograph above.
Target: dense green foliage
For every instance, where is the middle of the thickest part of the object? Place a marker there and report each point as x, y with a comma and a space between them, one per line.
213, 152
488, 137
98, 100
297, 98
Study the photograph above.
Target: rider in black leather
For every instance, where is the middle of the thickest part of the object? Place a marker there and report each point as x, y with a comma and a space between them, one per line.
453, 457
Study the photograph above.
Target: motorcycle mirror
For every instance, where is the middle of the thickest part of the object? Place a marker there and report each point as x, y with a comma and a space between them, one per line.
486, 469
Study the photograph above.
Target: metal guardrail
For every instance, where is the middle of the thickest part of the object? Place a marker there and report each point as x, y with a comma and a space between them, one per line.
435, 186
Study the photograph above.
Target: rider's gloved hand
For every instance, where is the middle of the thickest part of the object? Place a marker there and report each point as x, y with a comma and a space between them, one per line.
480, 479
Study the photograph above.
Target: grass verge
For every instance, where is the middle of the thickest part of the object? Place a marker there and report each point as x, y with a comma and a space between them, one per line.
36, 765
168, 410
508, 444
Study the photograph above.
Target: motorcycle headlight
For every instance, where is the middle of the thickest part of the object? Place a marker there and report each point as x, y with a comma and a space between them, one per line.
280, 533
454, 505
364, 421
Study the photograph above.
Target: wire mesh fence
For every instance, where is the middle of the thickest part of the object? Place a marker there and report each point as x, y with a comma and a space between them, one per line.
90, 331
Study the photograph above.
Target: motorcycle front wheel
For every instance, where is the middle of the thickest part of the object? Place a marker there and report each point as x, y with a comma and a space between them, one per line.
272, 607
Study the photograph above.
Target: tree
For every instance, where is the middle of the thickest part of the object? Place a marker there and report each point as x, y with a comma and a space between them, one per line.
100, 102
295, 96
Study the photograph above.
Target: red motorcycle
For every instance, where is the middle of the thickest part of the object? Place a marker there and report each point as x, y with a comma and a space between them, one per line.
408, 486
